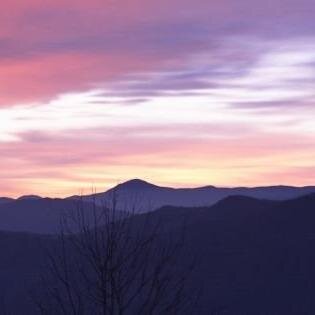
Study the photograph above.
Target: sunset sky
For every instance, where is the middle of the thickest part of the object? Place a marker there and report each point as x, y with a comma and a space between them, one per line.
176, 92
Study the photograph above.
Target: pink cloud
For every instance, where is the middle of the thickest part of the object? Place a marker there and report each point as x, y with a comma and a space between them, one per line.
49, 48
149, 48
41, 79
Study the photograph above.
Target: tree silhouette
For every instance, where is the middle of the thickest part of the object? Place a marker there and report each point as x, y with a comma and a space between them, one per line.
114, 262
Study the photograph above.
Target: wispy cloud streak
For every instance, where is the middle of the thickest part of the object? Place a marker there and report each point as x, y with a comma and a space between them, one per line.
186, 91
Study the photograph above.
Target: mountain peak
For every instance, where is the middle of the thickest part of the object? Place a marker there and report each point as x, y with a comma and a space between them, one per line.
136, 184
29, 197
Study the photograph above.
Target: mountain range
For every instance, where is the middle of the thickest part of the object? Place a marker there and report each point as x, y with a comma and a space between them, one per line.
254, 256
147, 197
42, 215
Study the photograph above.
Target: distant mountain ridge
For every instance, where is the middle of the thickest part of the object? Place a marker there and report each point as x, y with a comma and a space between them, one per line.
29, 197
42, 215
209, 194
37, 215
247, 251
147, 197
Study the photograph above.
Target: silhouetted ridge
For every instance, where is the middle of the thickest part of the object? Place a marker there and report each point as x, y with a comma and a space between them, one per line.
243, 201
251, 253
37, 215
29, 197
135, 184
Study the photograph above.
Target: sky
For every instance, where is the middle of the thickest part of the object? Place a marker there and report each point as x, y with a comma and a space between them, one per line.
182, 93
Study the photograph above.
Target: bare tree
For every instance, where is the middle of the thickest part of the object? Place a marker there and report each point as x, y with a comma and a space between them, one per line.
112, 262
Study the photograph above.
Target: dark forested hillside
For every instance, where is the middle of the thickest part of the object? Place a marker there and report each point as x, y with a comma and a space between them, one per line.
252, 256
